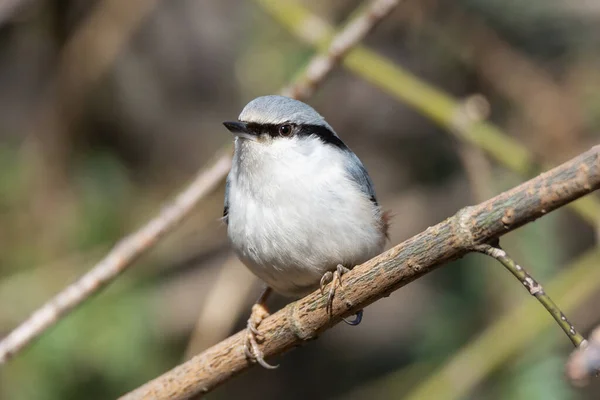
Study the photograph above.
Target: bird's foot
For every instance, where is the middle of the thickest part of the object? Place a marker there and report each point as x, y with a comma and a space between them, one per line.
253, 336
357, 318
335, 278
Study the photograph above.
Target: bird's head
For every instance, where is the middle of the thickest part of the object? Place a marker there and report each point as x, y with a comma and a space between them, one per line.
269, 120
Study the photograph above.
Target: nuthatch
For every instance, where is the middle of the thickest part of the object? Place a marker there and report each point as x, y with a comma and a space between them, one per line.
299, 204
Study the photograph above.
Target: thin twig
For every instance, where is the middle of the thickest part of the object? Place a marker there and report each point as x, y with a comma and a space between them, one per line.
535, 289
132, 247
305, 319
584, 362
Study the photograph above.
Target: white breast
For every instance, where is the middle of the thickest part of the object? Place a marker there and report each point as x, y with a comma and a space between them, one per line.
295, 214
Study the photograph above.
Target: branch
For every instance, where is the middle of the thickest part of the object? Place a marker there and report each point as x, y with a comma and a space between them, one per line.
306, 318
535, 289
132, 247
584, 362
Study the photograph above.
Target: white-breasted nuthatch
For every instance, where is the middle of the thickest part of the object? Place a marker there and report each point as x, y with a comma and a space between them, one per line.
299, 204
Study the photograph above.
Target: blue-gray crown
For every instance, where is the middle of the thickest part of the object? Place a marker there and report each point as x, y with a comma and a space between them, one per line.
275, 110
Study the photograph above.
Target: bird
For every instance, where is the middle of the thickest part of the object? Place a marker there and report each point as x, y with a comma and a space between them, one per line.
299, 205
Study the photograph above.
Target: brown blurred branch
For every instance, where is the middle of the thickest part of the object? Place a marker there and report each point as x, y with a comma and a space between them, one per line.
132, 247
305, 319
535, 92
87, 55
584, 362
512, 73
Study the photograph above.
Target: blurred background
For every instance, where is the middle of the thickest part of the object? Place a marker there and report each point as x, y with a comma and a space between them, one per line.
108, 108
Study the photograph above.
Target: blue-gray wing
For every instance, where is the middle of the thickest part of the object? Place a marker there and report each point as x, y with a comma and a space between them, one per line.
226, 202
358, 173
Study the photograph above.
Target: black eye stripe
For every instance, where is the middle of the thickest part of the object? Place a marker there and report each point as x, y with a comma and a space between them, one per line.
270, 129
322, 132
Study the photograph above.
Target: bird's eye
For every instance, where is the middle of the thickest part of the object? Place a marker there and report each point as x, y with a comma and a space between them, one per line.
285, 130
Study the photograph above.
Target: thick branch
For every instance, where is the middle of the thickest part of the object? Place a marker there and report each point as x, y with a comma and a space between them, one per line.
305, 319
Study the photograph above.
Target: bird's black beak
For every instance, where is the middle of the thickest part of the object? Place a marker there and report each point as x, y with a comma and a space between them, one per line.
236, 127
240, 130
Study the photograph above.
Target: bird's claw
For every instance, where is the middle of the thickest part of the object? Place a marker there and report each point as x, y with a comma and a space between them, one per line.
336, 280
251, 349
253, 329
325, 279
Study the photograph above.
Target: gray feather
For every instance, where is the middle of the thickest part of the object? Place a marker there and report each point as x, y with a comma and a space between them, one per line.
226, 202
274, 109
357, 172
